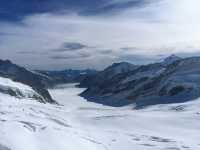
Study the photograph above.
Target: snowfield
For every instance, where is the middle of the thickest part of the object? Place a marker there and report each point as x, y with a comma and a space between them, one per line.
18, 89
80, 125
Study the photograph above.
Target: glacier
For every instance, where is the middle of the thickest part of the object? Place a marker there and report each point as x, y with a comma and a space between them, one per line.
77, 124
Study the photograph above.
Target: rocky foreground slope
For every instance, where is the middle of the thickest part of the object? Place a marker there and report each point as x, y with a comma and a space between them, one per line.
21, 75
19, 90
39, 80
171, 81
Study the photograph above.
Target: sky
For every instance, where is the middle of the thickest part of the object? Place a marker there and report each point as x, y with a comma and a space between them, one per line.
79, 34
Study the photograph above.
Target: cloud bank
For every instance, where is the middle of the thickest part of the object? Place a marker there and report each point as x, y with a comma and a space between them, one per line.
76, 36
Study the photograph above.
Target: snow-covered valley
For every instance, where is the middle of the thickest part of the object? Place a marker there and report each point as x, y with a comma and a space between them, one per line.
76, 124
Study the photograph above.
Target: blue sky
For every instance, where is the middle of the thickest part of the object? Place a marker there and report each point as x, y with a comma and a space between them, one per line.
58, 34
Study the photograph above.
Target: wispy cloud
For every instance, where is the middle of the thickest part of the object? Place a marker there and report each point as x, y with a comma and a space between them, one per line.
16, 10
105, 52
31, 53
70, 46
70, 56
114, 7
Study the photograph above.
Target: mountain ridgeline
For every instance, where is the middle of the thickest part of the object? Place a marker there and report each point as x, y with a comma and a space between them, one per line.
65, 76
171, 81
22, 75
38, 81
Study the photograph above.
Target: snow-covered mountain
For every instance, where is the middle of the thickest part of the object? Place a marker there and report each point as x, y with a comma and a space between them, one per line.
118, 68
150, 84
171, 59
105, 75
19, 90
26, 77
28, 122
80, 125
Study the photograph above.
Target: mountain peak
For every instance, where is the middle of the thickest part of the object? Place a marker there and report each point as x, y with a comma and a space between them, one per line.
120, 67
170, 59
5, 61
121, 63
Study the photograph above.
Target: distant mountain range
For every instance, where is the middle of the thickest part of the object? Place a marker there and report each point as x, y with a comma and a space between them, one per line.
65, 76
38, 81
171, 81
22, 75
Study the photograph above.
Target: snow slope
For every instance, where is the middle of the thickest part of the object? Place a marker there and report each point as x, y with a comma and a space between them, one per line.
17, 89
81, 125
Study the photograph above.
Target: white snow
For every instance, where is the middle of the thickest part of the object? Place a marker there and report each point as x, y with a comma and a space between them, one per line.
25, 90
81, 125
9, 83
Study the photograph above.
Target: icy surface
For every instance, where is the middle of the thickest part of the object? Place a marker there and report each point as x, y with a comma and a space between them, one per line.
81, 125
20, 90
9, 83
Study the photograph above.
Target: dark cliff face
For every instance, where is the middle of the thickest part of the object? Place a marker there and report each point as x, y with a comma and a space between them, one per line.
118, 89
149, 84
20, 74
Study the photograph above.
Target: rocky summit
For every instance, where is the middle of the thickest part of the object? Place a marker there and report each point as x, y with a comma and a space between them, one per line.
158, 83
